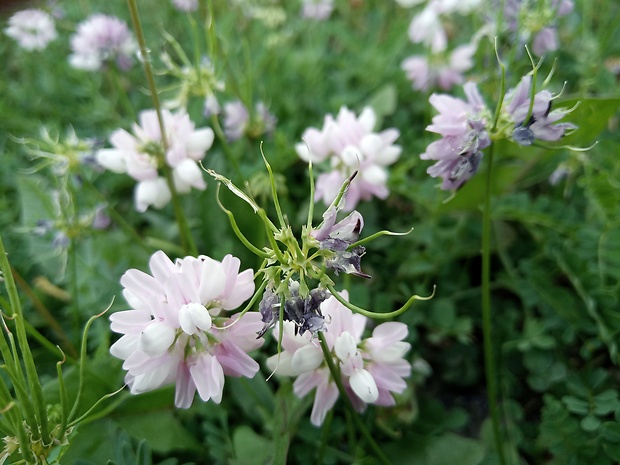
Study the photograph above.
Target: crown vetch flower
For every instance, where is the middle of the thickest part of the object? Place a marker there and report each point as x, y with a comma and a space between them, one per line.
185, 5
237, 121
463, 127
427, 72
371, 369
33, 29
317, 9
351, 145
175, 332
542, 122
99, 39
138, 155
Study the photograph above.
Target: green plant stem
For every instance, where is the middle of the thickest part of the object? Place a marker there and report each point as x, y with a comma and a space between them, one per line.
36, 391
343, 393
187, 241
489, 359
217, 128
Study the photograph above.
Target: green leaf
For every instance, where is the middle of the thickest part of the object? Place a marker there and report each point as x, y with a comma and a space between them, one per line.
591, 115
384, 100
576, 405
250, 448
611, 431
590, 423
437, 450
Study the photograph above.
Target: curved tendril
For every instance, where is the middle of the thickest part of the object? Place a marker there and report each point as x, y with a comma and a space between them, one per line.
311, 205
274, 192
502, 91
376, 235
238, 233
247, 308
233, 188
566, 147
379, 316
82, 368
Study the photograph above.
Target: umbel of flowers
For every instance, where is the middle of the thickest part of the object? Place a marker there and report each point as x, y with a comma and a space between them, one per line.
142, 154
179, 329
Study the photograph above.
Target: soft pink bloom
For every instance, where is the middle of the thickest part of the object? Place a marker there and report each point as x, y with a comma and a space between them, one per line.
428, 72
317, 9
99, 39
135, 154
426, 27
351, 145
371, 369
174, 333
186, 5
33, 29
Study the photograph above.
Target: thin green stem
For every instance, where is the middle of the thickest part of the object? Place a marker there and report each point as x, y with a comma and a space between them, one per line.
343, 393
226, 147
187, 241
489, 359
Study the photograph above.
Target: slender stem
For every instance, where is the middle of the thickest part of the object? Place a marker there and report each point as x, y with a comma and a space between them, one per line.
226, 148
187, 240
489, 359
343, 393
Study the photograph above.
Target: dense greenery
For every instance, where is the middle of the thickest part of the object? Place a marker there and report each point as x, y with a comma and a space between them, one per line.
555, 249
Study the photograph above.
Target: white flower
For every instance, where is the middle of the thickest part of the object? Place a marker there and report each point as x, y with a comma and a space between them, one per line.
33, 29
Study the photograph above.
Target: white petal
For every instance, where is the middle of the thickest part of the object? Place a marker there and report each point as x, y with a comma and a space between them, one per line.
194, 317
307, 358
188, 174
364, 385
152, 192
112, 159
199, 142
156, 339
367, 119
345, 346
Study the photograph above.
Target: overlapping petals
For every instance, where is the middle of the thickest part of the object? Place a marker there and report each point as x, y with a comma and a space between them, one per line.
174, 332
139, 155
351, 145
371, 369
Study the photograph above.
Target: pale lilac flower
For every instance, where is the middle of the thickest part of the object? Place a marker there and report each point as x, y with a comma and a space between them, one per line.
371, 369
237, 121
430, 71
175, 334
540, 22
351, 145
541, 121
186, 5
463, 127
33, 29
317, 9
100, 39
138, 155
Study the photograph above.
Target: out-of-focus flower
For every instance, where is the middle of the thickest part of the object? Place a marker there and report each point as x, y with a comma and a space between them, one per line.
317, 9
351, 145
463, 125
175, 333
100, 39
186, 5
539, 122
139, 156
539, 24
239, 122
428, 72
33, 29
371, 369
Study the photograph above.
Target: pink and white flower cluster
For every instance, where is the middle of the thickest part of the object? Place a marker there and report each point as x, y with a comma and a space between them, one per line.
175, 331
350, 144
371, 369
139, 154
33, 29
100, 39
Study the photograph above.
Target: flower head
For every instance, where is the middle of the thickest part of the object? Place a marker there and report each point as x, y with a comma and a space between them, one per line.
140, 155
427, 72
239, 122
186, 5
317, 9
175, 332
351, 145
100, 39
33, 29
371, 369
538, 122
463, 127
